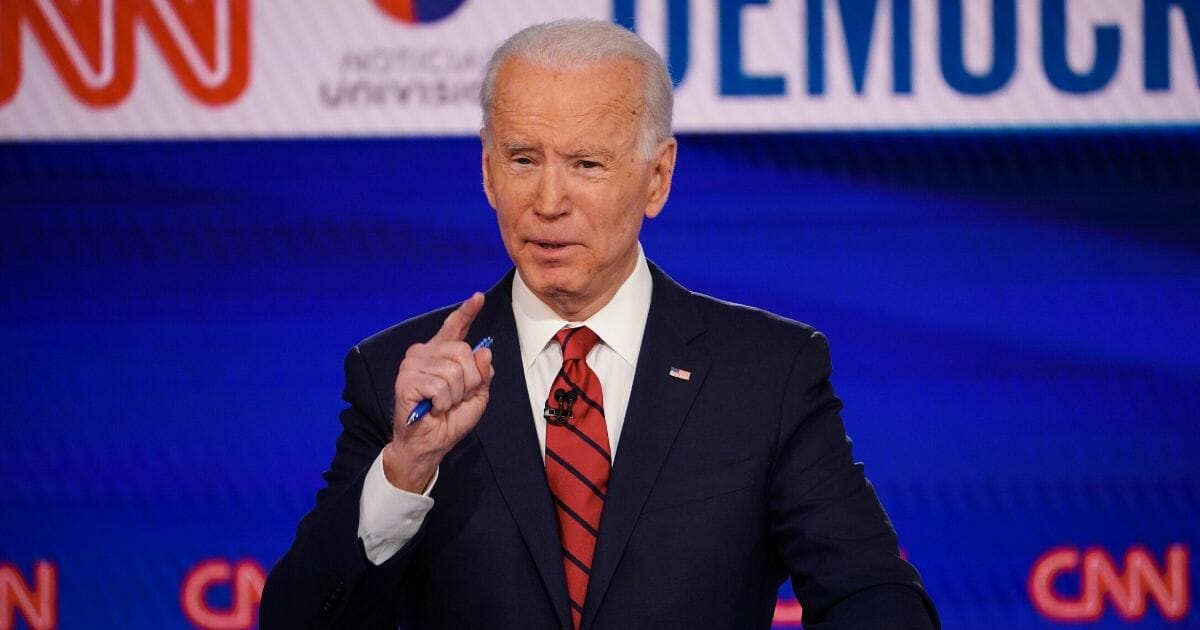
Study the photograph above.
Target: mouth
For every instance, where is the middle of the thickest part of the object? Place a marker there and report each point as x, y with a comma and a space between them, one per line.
549, 245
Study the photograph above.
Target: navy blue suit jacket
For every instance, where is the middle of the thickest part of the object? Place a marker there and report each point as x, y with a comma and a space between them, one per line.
723, 485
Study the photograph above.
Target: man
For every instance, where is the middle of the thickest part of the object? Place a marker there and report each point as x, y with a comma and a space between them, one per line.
628, 454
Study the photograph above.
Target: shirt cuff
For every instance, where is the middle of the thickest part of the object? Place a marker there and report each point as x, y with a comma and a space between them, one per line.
389, 517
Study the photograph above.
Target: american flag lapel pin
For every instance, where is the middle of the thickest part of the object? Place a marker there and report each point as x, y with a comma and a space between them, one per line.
680, 374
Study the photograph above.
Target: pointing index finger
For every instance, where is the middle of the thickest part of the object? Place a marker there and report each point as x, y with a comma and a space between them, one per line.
457, 323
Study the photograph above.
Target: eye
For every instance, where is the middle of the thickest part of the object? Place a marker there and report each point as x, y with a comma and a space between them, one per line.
589, 165
522, 160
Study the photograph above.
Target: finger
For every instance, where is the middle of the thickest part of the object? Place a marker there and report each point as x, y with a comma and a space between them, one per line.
450, 361
418, 376
422, 386
449, 371
483, 363
457, 323
470, 371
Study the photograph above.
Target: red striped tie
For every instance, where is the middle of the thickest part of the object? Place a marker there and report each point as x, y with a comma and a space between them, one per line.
578, 459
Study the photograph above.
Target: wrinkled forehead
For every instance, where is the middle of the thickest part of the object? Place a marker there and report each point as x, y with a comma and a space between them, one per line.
607, 94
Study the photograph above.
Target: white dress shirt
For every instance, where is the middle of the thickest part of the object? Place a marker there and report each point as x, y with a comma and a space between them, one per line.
389, 517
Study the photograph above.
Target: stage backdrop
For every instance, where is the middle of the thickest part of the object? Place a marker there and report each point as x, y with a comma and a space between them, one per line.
991, 208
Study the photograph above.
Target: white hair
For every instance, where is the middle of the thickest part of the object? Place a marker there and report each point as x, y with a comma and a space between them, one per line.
571, 44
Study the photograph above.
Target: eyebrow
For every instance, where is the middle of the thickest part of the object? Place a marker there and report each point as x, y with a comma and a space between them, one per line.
515, 146
590, 152
519, 146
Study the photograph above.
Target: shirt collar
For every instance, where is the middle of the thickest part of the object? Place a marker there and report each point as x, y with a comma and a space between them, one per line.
620, 323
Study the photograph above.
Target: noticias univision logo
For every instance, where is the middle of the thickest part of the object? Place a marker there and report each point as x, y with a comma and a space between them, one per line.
418, 11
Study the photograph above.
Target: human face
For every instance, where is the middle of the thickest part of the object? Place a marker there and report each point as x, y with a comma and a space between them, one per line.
569, 183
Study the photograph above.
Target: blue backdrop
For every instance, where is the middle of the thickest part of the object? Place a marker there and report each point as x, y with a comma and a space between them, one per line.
1011, 316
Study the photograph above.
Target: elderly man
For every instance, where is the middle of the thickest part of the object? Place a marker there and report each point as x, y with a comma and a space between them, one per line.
628, 454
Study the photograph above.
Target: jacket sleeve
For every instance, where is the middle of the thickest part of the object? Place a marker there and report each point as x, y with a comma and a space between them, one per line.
325, 579
827, 524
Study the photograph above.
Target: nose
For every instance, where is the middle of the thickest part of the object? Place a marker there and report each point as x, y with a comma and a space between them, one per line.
552, 198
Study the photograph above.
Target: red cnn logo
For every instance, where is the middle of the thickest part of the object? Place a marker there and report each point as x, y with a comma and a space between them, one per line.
1100, 578
38, 605
245, 579
91, 43
788, 613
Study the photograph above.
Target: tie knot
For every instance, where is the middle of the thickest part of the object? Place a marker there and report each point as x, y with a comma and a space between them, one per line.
576, 342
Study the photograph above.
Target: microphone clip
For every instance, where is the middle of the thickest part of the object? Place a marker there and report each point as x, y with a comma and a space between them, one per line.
564, 412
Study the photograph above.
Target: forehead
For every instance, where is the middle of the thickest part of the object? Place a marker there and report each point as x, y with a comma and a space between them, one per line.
603, 100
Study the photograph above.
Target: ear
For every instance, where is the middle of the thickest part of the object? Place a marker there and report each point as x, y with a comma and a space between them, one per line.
486, 145
663, 165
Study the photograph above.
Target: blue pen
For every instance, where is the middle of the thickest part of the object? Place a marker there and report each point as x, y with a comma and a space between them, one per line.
424, 406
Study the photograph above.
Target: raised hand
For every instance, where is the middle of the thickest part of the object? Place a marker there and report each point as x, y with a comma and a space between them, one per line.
444, 371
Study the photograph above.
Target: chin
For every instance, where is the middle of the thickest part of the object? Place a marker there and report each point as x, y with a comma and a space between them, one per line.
551, 288
552, 283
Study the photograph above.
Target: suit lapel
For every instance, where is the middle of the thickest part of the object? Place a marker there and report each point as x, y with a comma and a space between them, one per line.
510, 444
658, 404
